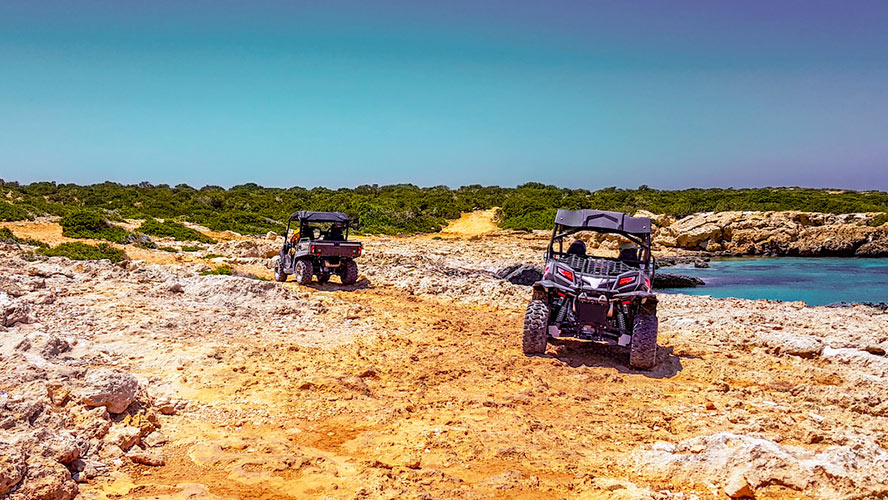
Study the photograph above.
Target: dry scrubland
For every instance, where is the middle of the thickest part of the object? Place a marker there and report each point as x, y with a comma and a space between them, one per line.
146, 380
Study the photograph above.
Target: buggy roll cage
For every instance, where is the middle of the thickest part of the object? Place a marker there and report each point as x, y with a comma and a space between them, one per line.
568, 222
305, 218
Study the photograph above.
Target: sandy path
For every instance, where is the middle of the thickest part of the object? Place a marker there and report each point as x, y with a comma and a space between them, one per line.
438, 401
471, 224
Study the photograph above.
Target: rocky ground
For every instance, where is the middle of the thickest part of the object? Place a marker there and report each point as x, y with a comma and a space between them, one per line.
147, 380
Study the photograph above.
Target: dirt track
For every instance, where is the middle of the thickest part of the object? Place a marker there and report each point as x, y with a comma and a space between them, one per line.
371, 392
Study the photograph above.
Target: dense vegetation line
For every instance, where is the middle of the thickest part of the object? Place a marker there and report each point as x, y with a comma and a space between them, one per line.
402, 208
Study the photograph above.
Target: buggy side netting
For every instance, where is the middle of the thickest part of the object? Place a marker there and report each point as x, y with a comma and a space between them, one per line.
596, 267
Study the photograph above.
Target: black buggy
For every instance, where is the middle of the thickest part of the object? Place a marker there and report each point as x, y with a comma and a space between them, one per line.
319, 247
596, 298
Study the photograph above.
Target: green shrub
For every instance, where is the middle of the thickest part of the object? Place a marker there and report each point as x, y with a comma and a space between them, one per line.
239, 221
10, 212
81, 251
221, 270
190, 248
540, 219
878, 220
168, 249
174, 230
88, 224
7, 236
212, 256
401, 208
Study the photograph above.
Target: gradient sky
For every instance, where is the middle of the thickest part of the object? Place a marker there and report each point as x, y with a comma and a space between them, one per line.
340, 93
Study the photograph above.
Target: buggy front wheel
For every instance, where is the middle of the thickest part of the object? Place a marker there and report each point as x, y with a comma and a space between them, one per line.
643, 347
536, 322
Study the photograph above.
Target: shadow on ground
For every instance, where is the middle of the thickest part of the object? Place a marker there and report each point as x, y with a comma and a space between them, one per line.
610, 356
332, 286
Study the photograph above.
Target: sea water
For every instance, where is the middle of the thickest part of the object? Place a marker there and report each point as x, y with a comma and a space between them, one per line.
815, 280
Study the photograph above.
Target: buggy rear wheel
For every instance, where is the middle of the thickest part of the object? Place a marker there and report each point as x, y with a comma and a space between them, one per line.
348, 272
643, 348
303, 272
536, 321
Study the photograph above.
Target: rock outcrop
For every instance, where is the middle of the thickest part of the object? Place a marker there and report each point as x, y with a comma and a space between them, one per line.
56, 390
520, 274
113, 389
670, 280
775, 233
743, 464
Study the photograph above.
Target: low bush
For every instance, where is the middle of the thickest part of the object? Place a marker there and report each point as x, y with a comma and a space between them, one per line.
91, 225
878, 220
238, 221
403, 208
10, 212
171, 229
7, 236
168, 249
191, 248
212, 256
221, 270
81, 251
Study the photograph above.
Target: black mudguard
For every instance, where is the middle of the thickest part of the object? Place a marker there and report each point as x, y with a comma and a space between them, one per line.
546, 285
638, 294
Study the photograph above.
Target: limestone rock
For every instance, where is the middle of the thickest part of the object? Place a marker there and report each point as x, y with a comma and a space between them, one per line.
874, 248
15, 313
146, 457
670, 280
794, 344
154, 439
520, 274
123, 436
46, 480
113, 389
62, 447
722, 458
12, 466
775, 233
738, 487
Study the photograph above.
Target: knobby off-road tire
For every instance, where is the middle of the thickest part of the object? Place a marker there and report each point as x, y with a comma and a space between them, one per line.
536, 322
348, 272
278, 274
323, 274
303, 272
643, 348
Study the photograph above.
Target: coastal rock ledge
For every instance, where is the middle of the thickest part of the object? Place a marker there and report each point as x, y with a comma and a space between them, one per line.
773, 233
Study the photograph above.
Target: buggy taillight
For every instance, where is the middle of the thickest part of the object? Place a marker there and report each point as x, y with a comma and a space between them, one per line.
647, 283
626, 281
567, 274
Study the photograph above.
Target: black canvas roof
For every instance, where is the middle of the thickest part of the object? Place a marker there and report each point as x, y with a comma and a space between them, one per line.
603, 220
320, 216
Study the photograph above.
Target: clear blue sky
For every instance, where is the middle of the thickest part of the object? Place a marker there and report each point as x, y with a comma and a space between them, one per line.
340, 93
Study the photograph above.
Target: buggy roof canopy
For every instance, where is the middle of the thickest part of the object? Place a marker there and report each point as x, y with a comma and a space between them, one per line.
320, 217
604, 221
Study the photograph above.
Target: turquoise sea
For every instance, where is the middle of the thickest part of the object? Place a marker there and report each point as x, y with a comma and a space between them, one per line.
817, 281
